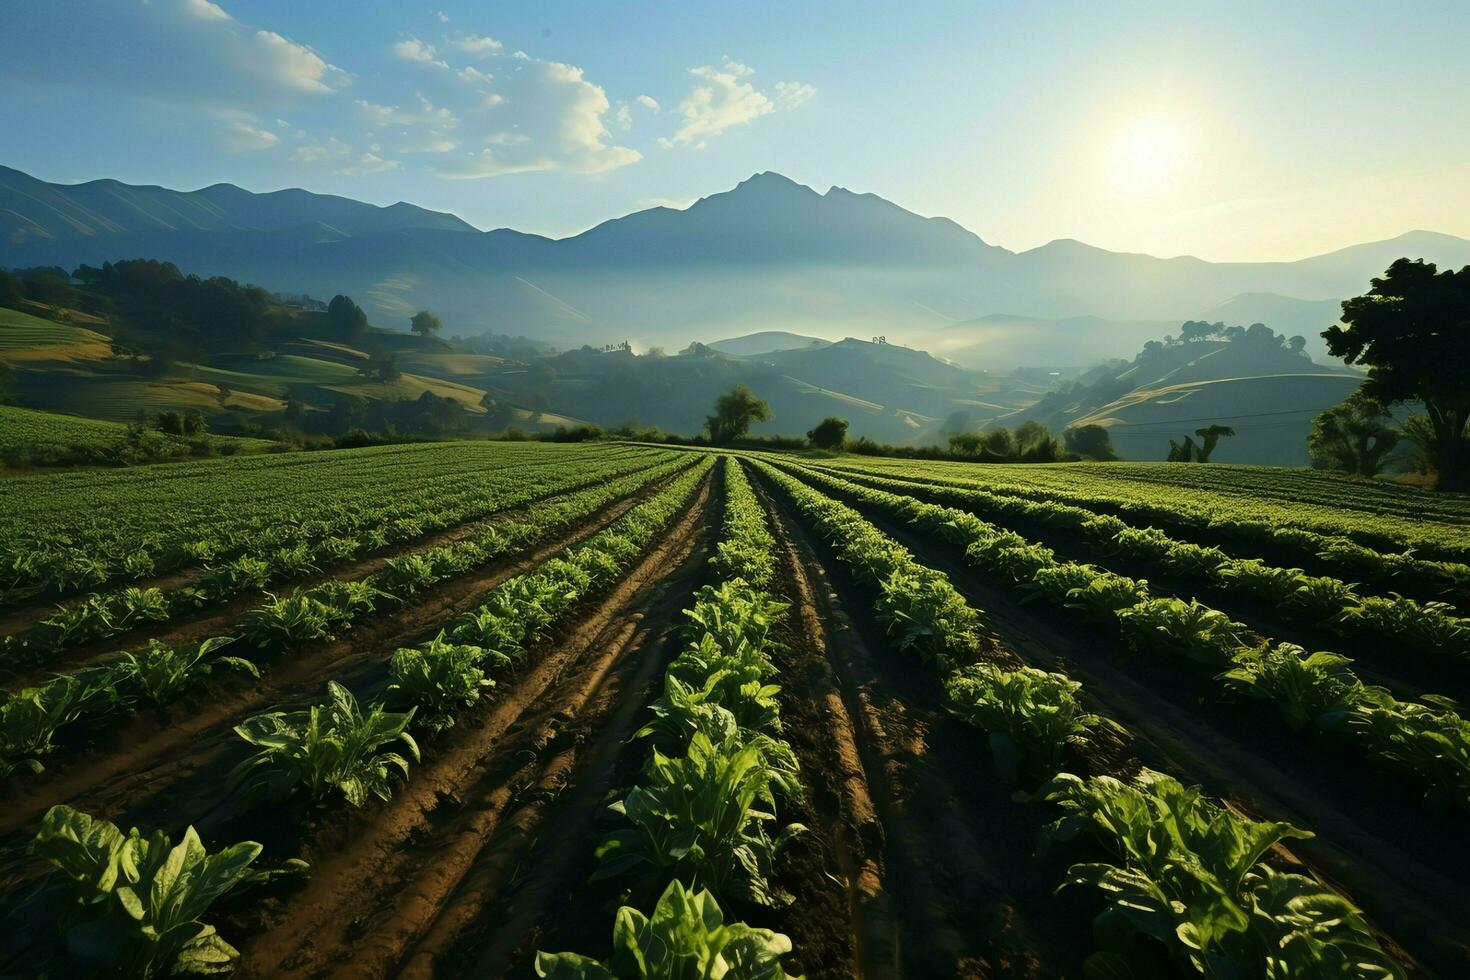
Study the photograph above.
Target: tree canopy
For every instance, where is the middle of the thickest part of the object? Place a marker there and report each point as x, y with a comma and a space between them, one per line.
735, 412
1412, 331
830, 433
1355, 436
424, 323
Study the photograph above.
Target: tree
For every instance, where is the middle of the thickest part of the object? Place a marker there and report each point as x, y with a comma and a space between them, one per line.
12, 293
424, 323
1191, 452
1355, 437
1235, 333
1194, 330
1036, 444
1092, 441
735, 411
381, 365
1412, 331
345, 318
830, 433
1151, 350
1210, 435
1298, 345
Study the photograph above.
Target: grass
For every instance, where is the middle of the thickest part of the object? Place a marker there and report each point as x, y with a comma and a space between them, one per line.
40, 434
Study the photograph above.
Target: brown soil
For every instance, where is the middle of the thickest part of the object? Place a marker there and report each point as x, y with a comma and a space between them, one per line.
1402, 862
392, 896
156, 750
216, 620
965, 895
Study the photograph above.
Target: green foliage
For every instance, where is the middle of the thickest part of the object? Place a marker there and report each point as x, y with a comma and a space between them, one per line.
694, 817
159, 673
330, 746
686, 937
830, 433
1356, 436
1177, 627
29, 718
438, 680
1031, 715
1188, 875
1408, 330
1309, 689
136, 903
735, 411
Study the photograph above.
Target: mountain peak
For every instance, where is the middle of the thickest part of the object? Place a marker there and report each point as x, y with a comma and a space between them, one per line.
770, 181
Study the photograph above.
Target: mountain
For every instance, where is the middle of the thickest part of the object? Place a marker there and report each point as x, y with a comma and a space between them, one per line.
769, 251
33, 211
765, 342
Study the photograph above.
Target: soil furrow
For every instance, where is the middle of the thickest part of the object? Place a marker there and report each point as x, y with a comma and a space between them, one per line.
366, 901
215, 620
153, 750
1399, 860
970, 898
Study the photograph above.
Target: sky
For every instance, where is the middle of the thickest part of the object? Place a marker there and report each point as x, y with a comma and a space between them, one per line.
1238, 131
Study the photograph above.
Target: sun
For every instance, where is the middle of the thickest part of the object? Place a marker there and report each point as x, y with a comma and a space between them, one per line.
1146, 155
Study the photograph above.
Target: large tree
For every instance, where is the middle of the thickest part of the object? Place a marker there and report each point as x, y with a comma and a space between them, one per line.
1355, 437
830, 433
345, 318
1092, 441
424, 323
735, 411
1412, 331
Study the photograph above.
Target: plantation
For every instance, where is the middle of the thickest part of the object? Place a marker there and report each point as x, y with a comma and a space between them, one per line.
615, 710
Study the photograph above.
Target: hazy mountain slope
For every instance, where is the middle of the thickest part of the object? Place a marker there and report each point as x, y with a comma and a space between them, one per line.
767, 252
765, 342
32, 210
1271, 416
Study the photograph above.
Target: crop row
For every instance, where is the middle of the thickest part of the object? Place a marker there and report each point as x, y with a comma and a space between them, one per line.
1348, 548
335, 749
109, 614
1426, 740
246, 514
696, 827
1186, 871
1429, 627
30, 718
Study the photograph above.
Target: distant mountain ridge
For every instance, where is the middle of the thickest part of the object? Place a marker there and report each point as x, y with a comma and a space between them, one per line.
768, 252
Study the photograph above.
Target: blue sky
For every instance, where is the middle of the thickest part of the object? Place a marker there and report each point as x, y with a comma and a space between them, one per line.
1226, 130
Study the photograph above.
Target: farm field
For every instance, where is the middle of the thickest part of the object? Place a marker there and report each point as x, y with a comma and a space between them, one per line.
489, 709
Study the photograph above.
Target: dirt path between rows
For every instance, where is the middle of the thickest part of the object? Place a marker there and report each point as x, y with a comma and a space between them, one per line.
968, 899
1402, 862
155, 751
216, 620
418, 873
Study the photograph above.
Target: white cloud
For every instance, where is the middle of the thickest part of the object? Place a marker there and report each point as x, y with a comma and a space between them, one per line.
340, 158
543, 115
480, 47
724, 97
789, 95
475, 76
648, 102
177, 52
242, 137
426, 142
443, 17
412, 49
624, 116
427, 114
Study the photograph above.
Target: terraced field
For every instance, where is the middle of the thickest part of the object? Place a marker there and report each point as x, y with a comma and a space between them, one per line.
612, 710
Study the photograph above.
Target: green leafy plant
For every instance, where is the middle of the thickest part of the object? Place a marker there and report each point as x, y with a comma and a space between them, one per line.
1188, 874
30, 717
1031, 715
686, 937
336, 745
1316, 688
695, 818
1182, 628
159, 672
438, 679
136, 902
